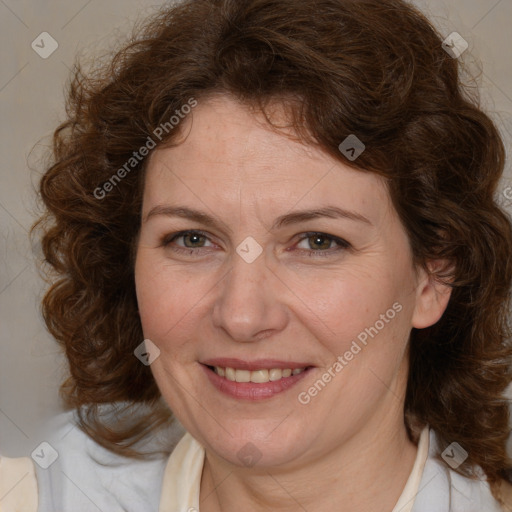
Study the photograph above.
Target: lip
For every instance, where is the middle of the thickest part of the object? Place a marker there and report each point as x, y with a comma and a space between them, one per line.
256, 364
253, 391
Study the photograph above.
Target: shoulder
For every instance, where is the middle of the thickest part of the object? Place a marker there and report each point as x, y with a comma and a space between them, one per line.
443, 489
18, 485
74, 473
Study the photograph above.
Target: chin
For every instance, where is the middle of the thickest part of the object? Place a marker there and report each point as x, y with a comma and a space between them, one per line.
251, 446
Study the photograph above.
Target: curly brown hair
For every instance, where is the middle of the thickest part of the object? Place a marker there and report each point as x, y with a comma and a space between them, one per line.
374, 68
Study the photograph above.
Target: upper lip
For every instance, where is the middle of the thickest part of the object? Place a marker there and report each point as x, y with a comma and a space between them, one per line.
256, 364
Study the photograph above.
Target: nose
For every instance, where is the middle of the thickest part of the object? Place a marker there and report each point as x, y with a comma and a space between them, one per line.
249, 305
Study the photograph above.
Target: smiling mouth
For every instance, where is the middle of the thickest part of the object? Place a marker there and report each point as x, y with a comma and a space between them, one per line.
254, 380
260, 376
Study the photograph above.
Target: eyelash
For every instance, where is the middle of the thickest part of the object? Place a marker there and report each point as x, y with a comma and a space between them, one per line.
342, 244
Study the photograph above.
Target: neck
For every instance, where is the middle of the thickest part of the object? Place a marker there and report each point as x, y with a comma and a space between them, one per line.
366, 473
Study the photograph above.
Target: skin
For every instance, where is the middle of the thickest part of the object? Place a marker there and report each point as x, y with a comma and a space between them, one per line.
347, 449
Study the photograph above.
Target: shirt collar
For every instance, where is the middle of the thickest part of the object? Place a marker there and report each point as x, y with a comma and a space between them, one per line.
182, 477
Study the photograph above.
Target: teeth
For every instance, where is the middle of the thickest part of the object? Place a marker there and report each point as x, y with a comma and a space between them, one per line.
242, 375
257, 376
230, 374
275, 374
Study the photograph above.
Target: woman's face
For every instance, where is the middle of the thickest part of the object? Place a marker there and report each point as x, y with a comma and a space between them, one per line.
263, 255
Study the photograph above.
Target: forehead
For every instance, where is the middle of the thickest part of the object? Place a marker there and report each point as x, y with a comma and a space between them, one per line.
227, 151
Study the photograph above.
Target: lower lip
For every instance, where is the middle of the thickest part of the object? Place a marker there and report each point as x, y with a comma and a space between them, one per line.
253, 390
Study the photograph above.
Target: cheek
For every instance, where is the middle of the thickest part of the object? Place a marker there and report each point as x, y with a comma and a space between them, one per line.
335, 306
363, 314
161, 296
173, 305
348, 300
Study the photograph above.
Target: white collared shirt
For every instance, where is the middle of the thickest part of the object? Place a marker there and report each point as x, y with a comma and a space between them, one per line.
88, 478
182, 478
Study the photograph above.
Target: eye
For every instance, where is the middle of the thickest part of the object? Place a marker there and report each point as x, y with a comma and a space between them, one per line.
321, 244
317, 244
192, 239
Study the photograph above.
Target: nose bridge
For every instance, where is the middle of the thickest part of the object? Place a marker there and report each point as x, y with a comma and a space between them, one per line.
248, 301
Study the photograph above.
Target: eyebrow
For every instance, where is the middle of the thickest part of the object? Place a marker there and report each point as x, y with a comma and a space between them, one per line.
332, 212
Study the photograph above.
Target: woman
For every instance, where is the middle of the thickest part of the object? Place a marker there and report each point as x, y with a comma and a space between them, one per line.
292, 204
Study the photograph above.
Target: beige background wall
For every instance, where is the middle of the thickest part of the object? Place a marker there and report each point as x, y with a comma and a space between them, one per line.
31, 104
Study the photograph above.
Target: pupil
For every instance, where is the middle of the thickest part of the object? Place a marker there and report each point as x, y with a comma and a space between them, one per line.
317, 240
194, 238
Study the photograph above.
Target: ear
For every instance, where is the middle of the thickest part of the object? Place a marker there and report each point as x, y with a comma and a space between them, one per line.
431, 296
